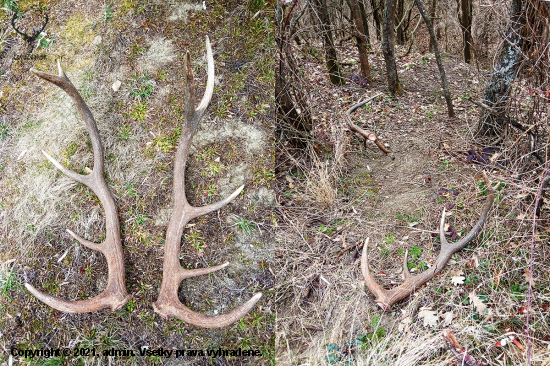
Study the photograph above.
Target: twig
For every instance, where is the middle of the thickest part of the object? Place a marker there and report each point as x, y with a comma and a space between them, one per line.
317, 329
542, 183
348, 248
359, 130
460, 352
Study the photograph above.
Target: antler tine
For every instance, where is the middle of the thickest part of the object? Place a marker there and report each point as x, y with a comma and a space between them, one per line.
114, 295
168, 303
386, 298
371, 283
195, 115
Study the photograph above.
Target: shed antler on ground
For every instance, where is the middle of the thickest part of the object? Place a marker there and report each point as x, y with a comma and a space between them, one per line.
386, 298
366, 135
168, 303
114, 295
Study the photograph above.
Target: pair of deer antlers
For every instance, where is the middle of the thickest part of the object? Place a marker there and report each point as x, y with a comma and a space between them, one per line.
115, 294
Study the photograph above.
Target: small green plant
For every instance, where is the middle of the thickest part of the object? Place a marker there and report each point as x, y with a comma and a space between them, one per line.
263, 176
389, 239
196, 241
406, 217
327, 229
125, 132
4, 131
335, 355
131, 190
482, 188
139, 112
142, 86
140, 220
144, 92
446, 165
161, 74
44, 42
255, 5
135, 50
131, 305
11, 5
210, 191
89, 272
245, 225
8, 283
108, 12
207, 153
415, 252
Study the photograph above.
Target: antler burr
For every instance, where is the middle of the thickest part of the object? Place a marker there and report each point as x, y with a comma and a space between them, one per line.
114, 295
386, 298
168, 303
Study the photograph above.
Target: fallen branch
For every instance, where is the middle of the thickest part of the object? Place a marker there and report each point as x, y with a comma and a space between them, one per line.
348, 248
359, 130
460, 352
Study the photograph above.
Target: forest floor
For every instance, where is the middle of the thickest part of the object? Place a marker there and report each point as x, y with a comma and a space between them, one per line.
142, 44
325, 314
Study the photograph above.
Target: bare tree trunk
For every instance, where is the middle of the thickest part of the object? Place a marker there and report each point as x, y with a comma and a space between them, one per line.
377, 17
330, 52
433, 13
360, 37
365, 20
444, 83
389, 49
505, 71
287, 110
399, 20
466, 24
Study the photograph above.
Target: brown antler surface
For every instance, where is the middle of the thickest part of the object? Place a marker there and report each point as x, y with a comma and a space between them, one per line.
114, 295
386, 298
168, 303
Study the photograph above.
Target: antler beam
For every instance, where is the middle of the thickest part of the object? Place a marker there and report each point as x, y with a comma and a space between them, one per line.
114, 295
168, 303
386, 298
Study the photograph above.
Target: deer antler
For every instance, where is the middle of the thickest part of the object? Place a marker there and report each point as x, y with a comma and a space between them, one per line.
168, 303
359, 130
386, 298
114, 295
